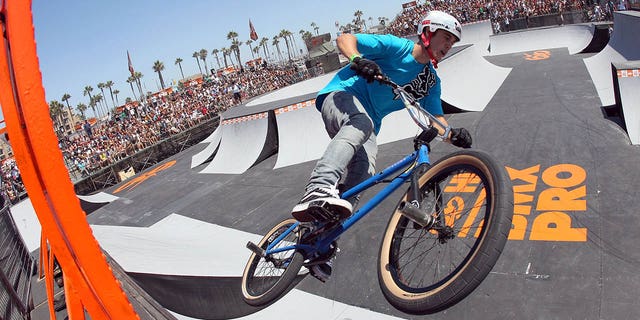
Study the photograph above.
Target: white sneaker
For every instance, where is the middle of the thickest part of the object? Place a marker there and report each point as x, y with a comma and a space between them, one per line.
321, 204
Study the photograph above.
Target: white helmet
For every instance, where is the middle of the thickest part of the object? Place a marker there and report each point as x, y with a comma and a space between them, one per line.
440, 20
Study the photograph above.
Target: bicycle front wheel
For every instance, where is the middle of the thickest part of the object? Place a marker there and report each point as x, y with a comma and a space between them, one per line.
266, 279
426, 270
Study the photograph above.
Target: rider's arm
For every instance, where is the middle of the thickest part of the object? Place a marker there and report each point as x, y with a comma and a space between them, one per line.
348, 45
456, 136
441, 130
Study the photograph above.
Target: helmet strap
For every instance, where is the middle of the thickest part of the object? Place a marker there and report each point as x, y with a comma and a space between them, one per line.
426, 41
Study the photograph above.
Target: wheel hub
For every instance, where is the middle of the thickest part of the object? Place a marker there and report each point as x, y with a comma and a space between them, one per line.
445, 234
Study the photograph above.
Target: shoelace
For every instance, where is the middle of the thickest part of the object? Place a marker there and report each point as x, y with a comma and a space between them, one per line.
332, 191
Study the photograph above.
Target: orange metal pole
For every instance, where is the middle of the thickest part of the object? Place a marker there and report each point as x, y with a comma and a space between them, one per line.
47, 257
44, 174
75, 309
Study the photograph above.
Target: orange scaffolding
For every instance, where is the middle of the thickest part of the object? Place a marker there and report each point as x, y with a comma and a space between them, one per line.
89, 282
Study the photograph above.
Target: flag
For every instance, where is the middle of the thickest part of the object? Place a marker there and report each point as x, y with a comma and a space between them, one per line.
252, 32
130, 64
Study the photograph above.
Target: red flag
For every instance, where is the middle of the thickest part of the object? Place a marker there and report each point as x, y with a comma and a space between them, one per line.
130, 64
252, 32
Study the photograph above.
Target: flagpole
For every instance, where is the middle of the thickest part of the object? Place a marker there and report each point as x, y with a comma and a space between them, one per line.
132, 70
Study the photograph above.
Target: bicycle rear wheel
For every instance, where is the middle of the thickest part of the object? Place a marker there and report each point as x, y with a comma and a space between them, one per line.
266, 279
426, 270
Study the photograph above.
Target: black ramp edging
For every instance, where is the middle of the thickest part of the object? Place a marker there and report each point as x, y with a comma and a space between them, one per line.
600, 39
271, 140
145, 306
199, 297
626, 81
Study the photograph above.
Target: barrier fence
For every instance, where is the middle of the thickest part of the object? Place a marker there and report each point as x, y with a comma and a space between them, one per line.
16, 269
554, 19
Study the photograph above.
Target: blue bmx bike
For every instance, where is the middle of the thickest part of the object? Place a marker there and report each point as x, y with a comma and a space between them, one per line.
443, 238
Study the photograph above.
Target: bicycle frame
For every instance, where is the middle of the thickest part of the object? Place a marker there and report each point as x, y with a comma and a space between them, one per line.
411, 161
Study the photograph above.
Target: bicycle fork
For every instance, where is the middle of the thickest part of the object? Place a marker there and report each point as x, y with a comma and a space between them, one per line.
411, 209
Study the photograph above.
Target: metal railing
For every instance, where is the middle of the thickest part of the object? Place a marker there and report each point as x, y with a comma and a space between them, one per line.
16, 269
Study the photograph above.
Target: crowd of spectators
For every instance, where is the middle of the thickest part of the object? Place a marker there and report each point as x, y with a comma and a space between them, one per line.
140, 126
11, 184
501, 12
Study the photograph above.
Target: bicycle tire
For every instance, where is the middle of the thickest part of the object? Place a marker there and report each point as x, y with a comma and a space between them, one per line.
259, 289
418, 272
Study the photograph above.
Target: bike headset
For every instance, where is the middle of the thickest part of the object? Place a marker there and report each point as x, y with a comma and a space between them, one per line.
435, 20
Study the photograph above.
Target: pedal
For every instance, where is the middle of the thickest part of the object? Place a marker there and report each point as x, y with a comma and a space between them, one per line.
322, 213
313, 274
255, 249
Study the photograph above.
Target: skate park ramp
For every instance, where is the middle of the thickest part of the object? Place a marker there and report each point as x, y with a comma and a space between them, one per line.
212, 142
626, 83
302, 136
181, 233
238, 150
575, 37
478, 34
622, 47
93, 202
462, 72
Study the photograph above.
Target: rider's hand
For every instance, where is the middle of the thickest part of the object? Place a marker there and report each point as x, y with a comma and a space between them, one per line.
460, 137
366, 68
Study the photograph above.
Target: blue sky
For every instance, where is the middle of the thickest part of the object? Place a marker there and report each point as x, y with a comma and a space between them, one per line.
82, 42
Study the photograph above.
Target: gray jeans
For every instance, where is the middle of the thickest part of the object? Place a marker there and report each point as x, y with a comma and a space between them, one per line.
353, 144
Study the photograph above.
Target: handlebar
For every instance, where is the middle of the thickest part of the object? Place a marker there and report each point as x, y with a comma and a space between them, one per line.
424, 119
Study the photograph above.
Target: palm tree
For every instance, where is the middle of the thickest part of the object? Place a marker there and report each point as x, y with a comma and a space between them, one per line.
306, 37
203, 56
383, 20
284, 34
196, 55
358, 19
158, 66
292, 42
275, 43
233, 36
101, 86
179, 63
99, 100
130, 81
249, 42
92, 105
81, 107
137, 76
55, 111
65, 98
235, 48
265, 47
115, 93
215, 52
87, 91
225, 53
315, 27
110, 84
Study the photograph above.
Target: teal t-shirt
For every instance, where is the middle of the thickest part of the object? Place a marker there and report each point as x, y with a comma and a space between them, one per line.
393, 55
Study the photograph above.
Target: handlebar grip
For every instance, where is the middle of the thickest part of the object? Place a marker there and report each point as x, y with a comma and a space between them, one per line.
385, 80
